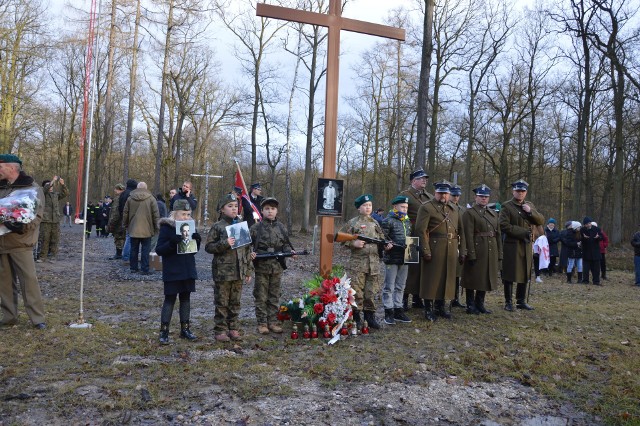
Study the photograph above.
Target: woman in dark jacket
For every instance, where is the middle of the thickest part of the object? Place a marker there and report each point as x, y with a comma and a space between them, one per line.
396, 227
570, 238
178, 272
553, 237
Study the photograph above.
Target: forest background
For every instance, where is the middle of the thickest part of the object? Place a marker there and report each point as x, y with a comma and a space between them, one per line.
549, 93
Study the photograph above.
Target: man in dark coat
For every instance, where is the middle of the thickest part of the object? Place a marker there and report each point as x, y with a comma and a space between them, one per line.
417, 197
439, 226
517, 216
484, 251
553, 237
185, 193
251, 205
590, 236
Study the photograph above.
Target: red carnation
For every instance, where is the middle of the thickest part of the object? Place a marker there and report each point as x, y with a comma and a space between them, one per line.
318, 308
329, 298
327, 285
336, 280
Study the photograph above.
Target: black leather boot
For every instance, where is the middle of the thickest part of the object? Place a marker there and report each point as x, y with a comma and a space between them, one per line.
164, 333
416, 301
357, 318
117, 256
441, 309
521, 295
580, 279
405, 302
370, 317
455, 303
185, 333
480, 302
429, 314
569, 274
508, 291
471, 307
388, 317
400, 316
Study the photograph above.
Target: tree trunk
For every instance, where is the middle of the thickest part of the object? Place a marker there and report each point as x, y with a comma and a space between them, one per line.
132, 93
423, 87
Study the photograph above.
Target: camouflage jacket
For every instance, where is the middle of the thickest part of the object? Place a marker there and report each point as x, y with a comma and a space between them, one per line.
51, 213
227, 264
269, 236
364, 259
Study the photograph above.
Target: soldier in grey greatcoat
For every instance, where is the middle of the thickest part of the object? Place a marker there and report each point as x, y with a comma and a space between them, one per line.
230, 268
439, 226
417, 197
517, 216
484, 251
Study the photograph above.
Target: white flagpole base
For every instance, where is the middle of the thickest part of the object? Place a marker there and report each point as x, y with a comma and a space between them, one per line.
80, 325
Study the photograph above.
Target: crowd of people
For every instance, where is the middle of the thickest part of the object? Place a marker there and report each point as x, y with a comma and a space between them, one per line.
477, 248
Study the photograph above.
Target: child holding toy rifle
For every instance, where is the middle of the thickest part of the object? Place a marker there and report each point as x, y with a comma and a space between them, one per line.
364, 262
269, 236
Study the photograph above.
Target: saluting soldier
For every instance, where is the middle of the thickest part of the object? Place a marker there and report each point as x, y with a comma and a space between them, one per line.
456, 191
484, 251
517, 216
417, 195
439, 226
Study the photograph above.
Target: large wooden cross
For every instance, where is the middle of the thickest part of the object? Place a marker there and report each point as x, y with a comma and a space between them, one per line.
335, 23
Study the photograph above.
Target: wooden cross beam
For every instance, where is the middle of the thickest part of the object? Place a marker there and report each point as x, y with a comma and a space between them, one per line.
335, 23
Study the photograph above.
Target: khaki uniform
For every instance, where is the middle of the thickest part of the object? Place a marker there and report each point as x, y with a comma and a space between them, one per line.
49, 236
363, 266
459, 268
484, 246
115, 224
229, 268
268, 236
416, 200
439, 227
515, 224
16, 260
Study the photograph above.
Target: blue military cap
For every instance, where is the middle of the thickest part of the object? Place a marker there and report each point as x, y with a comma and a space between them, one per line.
256, 186
400, 199
418, 174
443, 186
520, 185
482, 190
363, 199
456, 190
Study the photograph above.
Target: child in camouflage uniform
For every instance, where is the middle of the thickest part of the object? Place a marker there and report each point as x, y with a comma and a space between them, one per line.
229, 268
364, 262
268, 236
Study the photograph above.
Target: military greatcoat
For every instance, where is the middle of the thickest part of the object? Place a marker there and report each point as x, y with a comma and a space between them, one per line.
461, 211
516, 224
416, 199
484, 249
439, 226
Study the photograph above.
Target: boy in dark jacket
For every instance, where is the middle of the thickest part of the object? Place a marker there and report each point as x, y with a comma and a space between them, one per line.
230, 267
178, 271
396, 227
591, 237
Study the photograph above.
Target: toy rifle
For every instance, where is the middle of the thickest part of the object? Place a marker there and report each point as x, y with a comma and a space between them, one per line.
280, 256
342, 237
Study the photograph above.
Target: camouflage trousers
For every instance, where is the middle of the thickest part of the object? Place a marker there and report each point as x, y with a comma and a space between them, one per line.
266, 292
48, 239
119, 236
367, 287
227, 302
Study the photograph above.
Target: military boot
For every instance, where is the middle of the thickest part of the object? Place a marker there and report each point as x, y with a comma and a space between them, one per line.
580, 278
370, 317
480, 302
521, 295
185, 333
388, 317
569, 274
117, 256
429, 314
441, 309
417, 301
400, 316
405, 302
456, 301
508, 292
357, 318
471, 307
164, 333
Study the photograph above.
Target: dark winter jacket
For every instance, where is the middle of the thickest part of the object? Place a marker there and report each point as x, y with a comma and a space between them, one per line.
182, 196
635, 242
175, 267
397, 231
162, 207
570, 239
591, 243
131, 185
14, 242
553, 236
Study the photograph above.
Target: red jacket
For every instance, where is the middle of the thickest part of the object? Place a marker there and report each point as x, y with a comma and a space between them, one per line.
604, 242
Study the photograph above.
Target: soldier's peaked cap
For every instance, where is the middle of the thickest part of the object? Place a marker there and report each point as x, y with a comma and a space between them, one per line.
418, 174
483, 190
520, 185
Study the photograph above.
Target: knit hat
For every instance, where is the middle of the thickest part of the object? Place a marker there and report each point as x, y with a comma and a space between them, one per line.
575, 225
551, 220
132, 184
181, 204
586, 220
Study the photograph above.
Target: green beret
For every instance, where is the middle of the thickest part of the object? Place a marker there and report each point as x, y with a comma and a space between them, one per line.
269, 201
181, 204
10, 158
400, 199
226, 199
363, 199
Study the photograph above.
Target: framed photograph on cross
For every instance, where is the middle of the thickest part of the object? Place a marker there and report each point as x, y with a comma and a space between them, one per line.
329, 201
